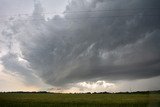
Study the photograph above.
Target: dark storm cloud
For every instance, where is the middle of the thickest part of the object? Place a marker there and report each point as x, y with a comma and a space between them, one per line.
113, 45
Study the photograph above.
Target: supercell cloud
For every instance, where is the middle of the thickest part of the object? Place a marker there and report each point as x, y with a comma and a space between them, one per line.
94, 40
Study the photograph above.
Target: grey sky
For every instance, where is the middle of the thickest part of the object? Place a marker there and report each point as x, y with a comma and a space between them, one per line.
15, 7
118, 45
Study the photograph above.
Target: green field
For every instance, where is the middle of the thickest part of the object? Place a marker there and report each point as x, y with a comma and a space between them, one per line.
78, 100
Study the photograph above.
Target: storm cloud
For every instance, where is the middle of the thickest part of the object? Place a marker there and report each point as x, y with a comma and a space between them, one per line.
94, 40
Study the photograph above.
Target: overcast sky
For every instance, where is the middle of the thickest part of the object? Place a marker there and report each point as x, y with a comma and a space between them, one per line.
79, 45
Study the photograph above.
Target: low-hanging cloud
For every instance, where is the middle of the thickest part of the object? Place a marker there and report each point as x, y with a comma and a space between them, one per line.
84, 46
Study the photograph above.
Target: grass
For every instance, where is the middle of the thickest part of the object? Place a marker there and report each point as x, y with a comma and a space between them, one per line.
78, 100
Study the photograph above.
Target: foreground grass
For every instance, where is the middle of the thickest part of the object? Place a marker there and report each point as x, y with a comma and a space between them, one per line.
78, 100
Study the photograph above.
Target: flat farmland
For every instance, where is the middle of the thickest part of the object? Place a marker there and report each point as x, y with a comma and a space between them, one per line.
78, 100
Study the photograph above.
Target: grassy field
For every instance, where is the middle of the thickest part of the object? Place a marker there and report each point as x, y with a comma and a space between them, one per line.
78, 100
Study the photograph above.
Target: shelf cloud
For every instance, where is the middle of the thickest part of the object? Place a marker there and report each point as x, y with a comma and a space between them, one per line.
93, 40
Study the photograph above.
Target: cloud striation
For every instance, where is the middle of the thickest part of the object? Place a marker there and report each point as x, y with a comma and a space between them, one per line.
94, 40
